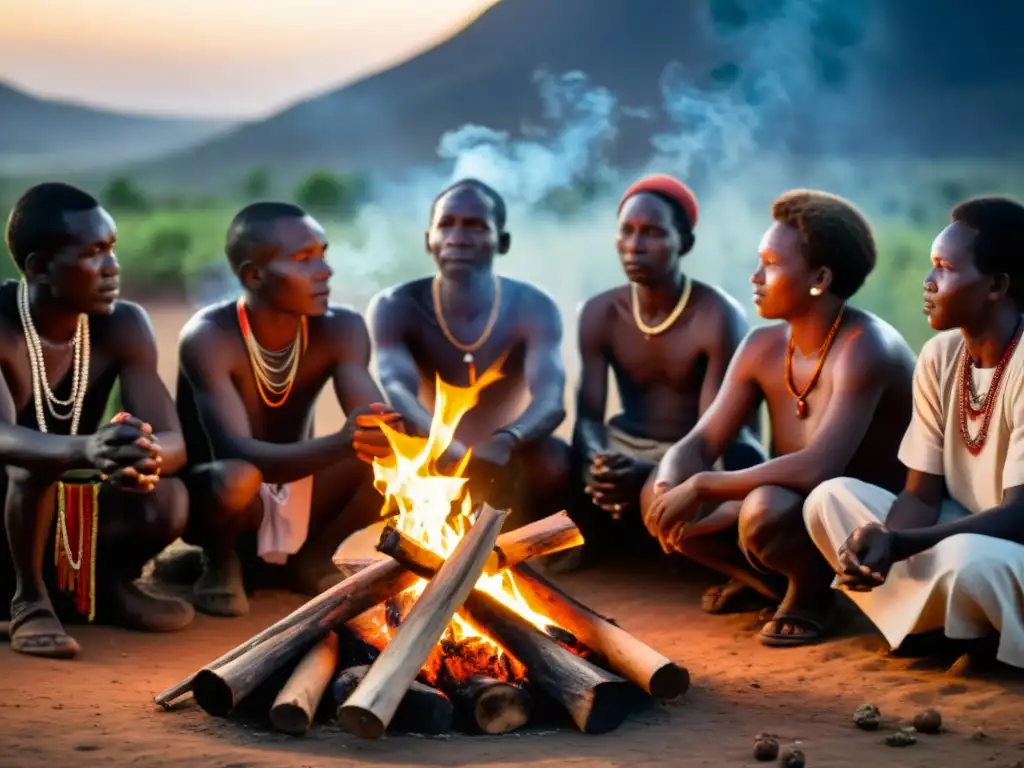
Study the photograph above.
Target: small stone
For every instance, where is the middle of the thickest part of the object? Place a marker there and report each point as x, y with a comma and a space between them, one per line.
766, 747
928, 721
978, 735
792, 758
902, 738
867, 717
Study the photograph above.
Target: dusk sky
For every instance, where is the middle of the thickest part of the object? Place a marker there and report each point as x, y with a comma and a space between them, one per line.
234, 58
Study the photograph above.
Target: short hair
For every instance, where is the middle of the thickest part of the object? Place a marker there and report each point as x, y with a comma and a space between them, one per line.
497, 201
833, 234
999, 244
250, 225
36, 223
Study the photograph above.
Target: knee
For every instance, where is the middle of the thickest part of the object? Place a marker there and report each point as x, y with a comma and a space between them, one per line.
819, 502
167, 514
232, 485
764, 514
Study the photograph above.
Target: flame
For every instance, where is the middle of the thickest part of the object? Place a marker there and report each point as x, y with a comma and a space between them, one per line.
435, 509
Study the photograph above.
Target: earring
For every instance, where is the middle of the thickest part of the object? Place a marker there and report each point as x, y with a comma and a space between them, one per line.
815, 291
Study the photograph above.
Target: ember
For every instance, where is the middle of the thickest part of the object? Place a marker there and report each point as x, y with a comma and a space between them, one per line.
452, 628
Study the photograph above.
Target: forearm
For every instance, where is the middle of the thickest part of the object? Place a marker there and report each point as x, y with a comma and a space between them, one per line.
801, 472
39, 452
541, 417
172, 451
909, 512
406, 401
999, 523
288, 462
745, 451
590, 437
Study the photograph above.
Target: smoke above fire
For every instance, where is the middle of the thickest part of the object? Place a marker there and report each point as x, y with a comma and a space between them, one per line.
729, 132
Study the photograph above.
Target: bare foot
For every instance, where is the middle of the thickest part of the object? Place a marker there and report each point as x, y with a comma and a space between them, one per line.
220, 591
179, 565
732, 597
36, 631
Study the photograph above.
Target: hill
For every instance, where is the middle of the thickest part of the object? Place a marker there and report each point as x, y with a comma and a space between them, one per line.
921, 77
41, 135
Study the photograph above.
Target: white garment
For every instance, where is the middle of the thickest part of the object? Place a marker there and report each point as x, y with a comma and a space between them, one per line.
285, 523
968, 585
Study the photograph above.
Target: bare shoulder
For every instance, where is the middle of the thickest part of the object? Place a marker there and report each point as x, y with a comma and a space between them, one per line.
402, 296
341, 329
872, 343
207, 329
601, 306
529, 299
720, 314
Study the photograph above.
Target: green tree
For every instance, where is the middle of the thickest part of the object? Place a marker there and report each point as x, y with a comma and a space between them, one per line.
334, 194
123, 194
256, 185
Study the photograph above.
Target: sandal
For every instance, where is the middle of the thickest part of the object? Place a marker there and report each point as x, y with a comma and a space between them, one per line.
813, 628
36, 631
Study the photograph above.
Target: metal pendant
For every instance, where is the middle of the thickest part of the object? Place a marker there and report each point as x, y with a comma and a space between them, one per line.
468, 358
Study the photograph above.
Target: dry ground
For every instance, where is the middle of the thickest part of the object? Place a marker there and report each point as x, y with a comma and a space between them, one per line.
98, 710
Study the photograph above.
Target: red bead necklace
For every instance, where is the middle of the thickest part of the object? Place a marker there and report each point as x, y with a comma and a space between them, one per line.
967, 410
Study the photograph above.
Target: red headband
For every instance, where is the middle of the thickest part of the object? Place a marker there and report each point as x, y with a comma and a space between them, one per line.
668, 186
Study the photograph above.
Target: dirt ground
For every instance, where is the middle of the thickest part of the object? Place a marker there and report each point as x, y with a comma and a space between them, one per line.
98, 709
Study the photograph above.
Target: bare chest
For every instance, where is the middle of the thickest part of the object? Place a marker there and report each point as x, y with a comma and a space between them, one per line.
797, 402
675, 358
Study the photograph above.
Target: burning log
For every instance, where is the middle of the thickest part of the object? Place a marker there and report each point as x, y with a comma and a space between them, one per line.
297, 702
637, 662
552, 534
369, 710
491, 706
597, 701
422, 709
224, 682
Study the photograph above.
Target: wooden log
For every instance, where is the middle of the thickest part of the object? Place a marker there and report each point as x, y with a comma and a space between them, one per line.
387, 578
596, 700
488, 705
297, 702
552, 534
370, 708
661, 677
423, 709
232, 676
547, 536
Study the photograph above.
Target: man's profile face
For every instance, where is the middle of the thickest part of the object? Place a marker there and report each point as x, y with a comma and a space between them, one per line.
296, 276
783, 280
82, 272
955, 291
463, 235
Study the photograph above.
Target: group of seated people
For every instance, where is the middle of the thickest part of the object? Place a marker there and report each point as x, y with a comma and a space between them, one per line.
895, 480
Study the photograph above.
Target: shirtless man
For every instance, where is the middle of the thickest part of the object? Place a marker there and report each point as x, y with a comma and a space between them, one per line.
251, 372
464, 319
65, 338
837, 381
946, 554
668, 340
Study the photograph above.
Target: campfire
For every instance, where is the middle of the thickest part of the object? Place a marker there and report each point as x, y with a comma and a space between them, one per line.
445, 625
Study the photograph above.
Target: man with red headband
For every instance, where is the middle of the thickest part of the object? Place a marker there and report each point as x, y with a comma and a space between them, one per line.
668, 339
837, 381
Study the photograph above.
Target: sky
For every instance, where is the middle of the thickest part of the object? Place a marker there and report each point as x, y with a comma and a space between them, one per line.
218, 58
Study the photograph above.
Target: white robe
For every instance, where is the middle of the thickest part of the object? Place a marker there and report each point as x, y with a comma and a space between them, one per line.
968, 585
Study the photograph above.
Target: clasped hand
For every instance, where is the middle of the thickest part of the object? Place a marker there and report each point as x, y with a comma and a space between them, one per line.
126, 453
670, 511
614, 481
865, 558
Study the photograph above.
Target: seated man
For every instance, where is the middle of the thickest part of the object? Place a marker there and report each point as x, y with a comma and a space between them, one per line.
65, 339
461, 322
837, 381
251, 372
949, 560
668, 339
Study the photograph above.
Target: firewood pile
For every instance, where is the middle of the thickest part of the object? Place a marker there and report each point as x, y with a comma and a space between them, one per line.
411, 642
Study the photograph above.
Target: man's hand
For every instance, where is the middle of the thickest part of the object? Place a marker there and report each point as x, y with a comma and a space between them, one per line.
615, 480
670, 511
486, 471
866, 558
116, 446
362, 429
143, 475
